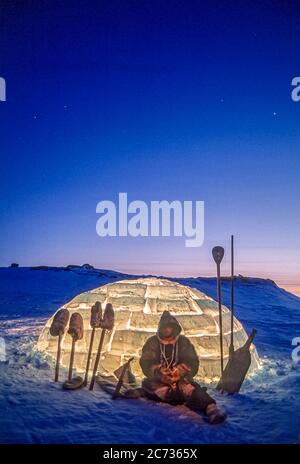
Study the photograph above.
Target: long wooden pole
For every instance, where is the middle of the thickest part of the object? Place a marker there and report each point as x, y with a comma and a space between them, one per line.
58, 357
89, 357
220, 317
97, 359
71, 359
231, 348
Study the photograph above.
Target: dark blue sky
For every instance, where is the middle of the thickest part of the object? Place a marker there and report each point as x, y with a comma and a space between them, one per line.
163, 100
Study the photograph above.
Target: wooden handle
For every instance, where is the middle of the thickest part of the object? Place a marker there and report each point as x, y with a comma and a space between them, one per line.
89, 357
58, 357
71, 360
97, 359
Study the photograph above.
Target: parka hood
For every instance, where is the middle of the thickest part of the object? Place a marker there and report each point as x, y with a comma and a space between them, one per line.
167, 320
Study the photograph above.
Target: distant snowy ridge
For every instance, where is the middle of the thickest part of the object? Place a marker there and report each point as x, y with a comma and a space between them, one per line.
88, 268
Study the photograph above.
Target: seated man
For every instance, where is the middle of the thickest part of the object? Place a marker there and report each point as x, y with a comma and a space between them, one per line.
169, 362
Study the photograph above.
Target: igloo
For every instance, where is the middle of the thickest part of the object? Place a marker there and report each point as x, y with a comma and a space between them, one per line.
138, 305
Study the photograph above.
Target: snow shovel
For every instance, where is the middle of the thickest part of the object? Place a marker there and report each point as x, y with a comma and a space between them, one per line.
106, 323
237, 368
76, 332
95, 323
121, 372
218, 254
57, 329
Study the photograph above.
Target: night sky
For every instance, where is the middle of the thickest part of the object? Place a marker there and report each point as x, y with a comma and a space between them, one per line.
163, 100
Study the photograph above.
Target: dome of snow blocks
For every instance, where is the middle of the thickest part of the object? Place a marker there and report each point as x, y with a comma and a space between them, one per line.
138, 305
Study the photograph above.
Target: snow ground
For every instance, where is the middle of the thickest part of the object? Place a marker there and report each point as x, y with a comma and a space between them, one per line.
33, 409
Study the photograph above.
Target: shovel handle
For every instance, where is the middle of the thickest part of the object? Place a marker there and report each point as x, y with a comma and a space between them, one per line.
218, 254
58, 357
89, 357
97, 359
71, 359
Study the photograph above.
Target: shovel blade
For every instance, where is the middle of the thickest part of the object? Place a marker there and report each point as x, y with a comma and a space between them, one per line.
237, 367
218, 254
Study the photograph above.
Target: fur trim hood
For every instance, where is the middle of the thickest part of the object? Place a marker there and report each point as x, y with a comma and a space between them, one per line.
167, 320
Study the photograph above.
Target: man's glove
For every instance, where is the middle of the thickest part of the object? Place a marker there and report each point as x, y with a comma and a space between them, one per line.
165, 375
179, 372
171, 376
